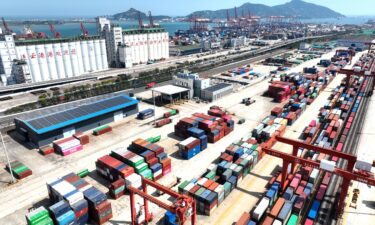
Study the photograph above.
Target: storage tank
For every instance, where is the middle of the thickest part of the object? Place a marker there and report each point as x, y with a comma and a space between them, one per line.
66, 59
160, 43
91, 50
42, 60
155, 46
103, 54
85, 56
21, 53
74, 58
98, 57
80, 58
144, 48
52, 68
59, 60
34, 64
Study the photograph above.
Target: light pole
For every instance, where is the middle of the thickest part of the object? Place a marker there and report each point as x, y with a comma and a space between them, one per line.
6, 155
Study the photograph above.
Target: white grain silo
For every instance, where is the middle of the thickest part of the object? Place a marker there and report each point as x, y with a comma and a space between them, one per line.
103, 55
59, 60
42, 60
74, 58
98, 57
80, 57
52, 67
85, 56
143, 48
34, 64
91, 50
67, 61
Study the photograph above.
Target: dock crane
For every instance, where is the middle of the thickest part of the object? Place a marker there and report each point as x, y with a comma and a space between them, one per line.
348, 175
85, 32
56, 34
140, 22
183, 206
151, 19
7, 28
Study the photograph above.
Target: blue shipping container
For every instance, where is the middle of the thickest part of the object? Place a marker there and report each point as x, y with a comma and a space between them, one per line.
314, 210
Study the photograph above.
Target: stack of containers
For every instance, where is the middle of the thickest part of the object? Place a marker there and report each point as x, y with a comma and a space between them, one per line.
61, 213
198, 133
145, 148
46, 150
112, 169
189, 148
67, 146
102, 130
214, 128
19, 170
117, 188
100, 210
170, 113
83, 138
39, 216
94, 205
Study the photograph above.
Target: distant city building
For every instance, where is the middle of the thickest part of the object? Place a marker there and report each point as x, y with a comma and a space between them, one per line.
51, 59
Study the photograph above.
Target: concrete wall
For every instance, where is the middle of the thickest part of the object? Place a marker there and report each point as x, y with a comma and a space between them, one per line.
49, 137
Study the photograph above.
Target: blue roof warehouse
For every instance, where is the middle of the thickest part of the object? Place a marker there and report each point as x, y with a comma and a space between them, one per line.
45, 129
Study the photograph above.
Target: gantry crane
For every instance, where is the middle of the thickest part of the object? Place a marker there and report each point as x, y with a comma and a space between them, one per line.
84, 31
7, 28
184, 206
348, 175
56, 34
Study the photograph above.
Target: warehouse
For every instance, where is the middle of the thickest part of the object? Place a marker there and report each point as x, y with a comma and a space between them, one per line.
170, 93
45, 129
52, 59
216, 92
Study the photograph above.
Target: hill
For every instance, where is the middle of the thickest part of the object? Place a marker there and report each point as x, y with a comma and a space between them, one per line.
303, 10
132, 14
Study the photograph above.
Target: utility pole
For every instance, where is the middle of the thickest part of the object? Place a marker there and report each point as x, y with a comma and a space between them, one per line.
6, 155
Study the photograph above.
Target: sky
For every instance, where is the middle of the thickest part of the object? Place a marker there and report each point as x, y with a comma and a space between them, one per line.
92, 8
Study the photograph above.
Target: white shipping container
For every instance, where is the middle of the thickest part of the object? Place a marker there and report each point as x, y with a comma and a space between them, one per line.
187, 141
202, 181
314, 174
261, 209
327, 165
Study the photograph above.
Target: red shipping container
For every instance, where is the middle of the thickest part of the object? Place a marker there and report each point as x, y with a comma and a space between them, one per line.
244, 219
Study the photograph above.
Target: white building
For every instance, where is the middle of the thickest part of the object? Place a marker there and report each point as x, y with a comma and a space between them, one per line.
147, 44
126, 47
50, 59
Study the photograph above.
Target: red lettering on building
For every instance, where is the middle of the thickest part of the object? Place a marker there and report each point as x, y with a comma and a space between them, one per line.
50, 54
33, 55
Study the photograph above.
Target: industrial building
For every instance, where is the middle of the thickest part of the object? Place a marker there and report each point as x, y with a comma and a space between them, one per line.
192, 81
216, 92
51, 59
43, 130
170, 93
127, 47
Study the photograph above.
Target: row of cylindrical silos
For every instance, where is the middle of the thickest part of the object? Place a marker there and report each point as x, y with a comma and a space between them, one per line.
63, 59
150, 46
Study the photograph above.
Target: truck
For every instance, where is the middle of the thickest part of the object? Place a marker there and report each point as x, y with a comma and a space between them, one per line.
150, 85
248, 101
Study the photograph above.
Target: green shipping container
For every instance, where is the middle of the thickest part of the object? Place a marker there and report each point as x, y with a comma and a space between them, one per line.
46, 221
83, 173
182, 186
141, 167
293, 220
227, 187
211, 175
121, 189
101, 128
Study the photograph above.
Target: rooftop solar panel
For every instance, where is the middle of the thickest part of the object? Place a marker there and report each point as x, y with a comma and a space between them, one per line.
68, 117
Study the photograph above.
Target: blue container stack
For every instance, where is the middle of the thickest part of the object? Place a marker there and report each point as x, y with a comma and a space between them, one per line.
200, 134
189, 148
61, 213
170, 218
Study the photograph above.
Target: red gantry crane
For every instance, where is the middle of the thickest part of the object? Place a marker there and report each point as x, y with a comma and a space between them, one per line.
184, 206
7, 28
348, 174
56, 34
84, 31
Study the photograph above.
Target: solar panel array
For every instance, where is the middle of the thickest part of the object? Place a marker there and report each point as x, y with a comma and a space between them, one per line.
83, 110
